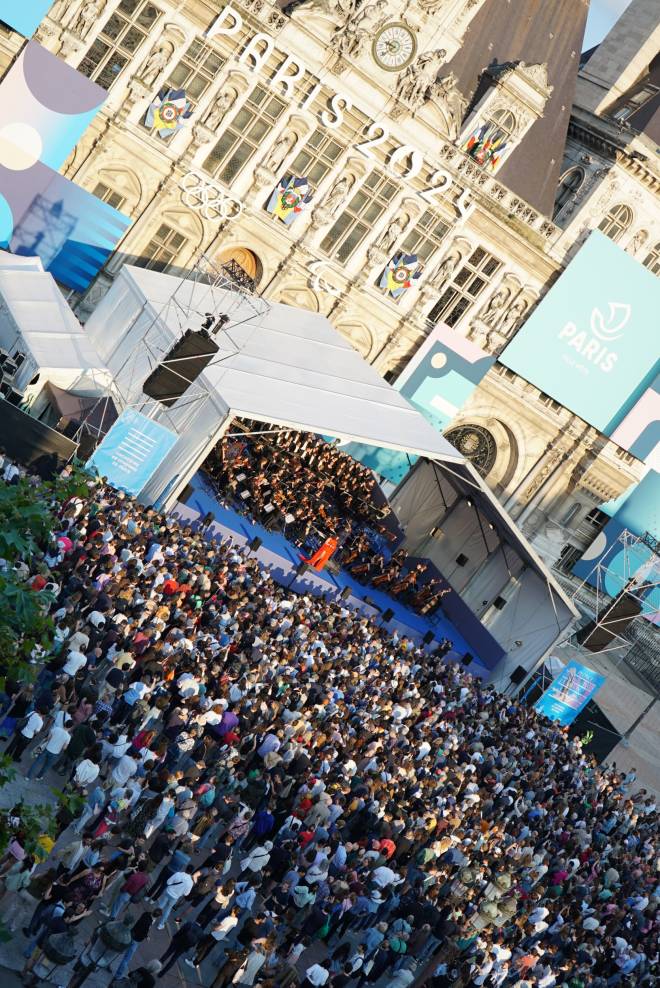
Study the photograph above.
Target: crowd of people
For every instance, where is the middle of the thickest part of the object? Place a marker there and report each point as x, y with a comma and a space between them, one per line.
308, 488
275, 791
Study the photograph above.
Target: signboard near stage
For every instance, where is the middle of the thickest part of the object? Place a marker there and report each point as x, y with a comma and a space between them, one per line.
569, 693
588, 344
132, 451
437, 381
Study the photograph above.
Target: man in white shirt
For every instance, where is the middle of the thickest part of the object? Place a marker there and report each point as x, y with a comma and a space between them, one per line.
57, 741
74, 661
125, 769
22, 738
179, 885
315, 975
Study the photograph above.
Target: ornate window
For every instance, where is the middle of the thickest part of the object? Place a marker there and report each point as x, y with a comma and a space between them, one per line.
317, 157
492, 139
467, 285
652, 260
106, 194
568, 187
357, 221
617, 221
245, 134
163, 249
426, 236
196, 71
476, 444
121, 36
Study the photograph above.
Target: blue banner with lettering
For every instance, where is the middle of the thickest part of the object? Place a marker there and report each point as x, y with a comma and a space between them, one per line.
131, 451
569, 693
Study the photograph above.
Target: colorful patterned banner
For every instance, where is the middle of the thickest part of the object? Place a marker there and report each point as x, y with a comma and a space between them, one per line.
400, 274
290, 198
168, 112
488, 145
45, 108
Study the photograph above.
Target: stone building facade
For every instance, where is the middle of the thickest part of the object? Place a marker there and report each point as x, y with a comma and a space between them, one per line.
425, 127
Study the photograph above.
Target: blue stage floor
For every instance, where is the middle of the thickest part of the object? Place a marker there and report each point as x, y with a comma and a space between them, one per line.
281, 557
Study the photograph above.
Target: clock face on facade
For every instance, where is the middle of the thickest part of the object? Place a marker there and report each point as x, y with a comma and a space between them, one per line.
394, 47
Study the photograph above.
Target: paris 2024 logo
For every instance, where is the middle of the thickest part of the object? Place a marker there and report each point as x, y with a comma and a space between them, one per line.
595, 346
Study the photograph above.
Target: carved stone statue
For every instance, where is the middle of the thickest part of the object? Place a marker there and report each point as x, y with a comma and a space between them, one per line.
338, 193
279, 151
87, 16
446, 94
514, 316
432, 6
638, 241
492, 312
416, 84
350, 38
218, 111
58, 9
155, 64
391, 235
337, 9
447, 268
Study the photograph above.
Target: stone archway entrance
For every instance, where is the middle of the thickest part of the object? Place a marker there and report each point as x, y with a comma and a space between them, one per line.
242, 266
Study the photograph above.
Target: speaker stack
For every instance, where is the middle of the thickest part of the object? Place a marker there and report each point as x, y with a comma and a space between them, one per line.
182, 365
8, 367
612, 621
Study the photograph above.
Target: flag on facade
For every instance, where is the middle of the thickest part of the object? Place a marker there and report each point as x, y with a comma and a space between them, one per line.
400, 274
290, 198
168, 112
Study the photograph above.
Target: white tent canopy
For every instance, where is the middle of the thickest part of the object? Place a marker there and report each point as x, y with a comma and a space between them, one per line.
36, 320
290, 367
281, 364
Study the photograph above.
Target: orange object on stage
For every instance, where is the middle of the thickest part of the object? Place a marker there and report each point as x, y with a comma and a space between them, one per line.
320, 558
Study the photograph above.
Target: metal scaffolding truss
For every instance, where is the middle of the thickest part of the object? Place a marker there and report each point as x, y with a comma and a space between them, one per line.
637, 573
198, 295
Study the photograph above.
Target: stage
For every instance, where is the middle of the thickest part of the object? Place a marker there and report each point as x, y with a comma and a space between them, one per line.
282, 557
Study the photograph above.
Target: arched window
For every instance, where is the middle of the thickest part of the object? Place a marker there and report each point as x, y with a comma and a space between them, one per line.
617, 221
652, 260
568, 186
505, 119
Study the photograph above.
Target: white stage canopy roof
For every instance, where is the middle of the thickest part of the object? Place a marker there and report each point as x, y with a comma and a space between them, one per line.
283, 365
36, 320
290, 367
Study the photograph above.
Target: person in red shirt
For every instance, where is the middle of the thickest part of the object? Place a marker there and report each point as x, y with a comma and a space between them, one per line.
131, 890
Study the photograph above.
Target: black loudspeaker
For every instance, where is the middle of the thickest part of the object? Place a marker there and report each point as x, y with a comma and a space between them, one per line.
345, 594
186, 493
180, 367
461, 560
499, 603
302, 568
467, 658
388, 615
428, 638
255, 544
612, 620
518, 675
